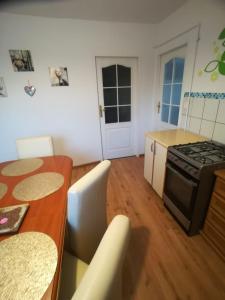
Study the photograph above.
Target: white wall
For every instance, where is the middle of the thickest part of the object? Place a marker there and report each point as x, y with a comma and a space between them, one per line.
210, 14
69, 114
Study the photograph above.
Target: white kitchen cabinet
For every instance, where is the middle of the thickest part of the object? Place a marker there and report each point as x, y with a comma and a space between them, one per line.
149, 157
155, 164
159, 168
156, 144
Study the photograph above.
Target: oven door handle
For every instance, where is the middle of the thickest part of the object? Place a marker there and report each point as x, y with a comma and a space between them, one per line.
188, 181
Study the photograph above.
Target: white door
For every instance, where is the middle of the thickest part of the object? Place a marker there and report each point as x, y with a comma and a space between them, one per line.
170, 87
117, 90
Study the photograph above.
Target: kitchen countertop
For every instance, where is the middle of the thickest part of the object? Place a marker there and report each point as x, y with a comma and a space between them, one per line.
174, 137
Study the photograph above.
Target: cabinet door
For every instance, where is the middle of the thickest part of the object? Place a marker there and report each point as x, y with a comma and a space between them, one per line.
159, 169
149, 158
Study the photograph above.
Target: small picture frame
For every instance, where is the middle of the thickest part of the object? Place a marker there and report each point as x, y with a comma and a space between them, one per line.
58, 76
21, 60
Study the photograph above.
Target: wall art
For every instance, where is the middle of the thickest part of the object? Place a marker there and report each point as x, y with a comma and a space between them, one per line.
29, 89
3, 92
21, 60
217, 65
58, 76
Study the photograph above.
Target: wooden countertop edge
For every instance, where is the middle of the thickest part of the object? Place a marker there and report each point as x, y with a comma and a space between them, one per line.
188, 135
220, 173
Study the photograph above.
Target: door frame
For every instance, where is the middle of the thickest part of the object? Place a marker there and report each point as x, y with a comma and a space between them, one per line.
189, 39
135, 91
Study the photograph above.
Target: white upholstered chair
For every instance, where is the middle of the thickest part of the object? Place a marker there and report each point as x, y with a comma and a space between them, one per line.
101, 279
34, 147
86, 211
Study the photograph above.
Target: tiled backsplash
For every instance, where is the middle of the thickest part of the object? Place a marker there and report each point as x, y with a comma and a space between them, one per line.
204, 113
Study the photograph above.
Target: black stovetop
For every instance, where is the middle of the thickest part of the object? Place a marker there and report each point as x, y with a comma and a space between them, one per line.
205, 153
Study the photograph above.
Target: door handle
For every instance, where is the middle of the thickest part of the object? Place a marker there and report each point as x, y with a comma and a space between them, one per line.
158, 107
101, 111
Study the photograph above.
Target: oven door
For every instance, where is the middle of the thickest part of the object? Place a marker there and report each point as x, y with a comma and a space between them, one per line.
180, 191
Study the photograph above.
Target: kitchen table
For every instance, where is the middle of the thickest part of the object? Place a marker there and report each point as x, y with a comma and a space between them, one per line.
48, 214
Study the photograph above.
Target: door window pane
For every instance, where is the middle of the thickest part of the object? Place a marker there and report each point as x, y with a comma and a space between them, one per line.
109, 76
165, 113
124, 76
168, 72
176, 94
110, 97
174, 115
124, 95
124, 113
178, 70
166, 93
111, 115
171, 90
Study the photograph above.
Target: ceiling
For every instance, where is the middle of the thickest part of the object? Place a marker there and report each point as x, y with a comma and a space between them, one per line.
138, 11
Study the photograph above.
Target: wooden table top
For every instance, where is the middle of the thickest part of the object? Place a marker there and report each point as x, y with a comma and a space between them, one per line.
47, 215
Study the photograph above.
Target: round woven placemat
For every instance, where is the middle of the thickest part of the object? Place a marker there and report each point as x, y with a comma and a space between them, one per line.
38, 186
3, 190
21, 167
28, 264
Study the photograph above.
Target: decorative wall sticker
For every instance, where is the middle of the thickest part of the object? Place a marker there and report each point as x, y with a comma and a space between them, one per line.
21, 60
58, 76
29, 89
217, 65
3, 92
222, 36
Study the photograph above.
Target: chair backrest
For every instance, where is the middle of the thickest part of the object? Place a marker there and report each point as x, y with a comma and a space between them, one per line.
102, 280
34, 147
87, 211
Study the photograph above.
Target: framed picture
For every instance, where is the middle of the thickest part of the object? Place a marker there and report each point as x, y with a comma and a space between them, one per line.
3, 92
58, 76
21, 60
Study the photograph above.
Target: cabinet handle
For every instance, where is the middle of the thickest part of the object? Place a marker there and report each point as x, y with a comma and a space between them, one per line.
152, 147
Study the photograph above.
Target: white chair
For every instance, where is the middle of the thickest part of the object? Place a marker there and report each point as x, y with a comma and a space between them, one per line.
101, 279
34, 147
87, 211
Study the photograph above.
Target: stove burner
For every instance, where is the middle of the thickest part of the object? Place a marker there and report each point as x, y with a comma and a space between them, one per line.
203, 152
204, 160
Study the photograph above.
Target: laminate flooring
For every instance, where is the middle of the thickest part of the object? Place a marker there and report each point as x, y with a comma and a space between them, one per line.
162, 261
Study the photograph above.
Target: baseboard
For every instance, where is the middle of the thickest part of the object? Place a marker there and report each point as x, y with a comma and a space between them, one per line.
87, 164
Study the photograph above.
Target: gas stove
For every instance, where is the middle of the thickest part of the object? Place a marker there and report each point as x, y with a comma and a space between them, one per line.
204, 153
189, 181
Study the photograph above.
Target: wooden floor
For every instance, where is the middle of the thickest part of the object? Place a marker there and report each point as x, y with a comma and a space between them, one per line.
162, 261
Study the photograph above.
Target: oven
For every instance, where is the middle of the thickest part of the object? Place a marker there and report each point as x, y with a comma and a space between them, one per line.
189, 181
180, 189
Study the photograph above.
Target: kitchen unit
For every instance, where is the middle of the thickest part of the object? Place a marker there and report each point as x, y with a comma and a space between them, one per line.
189, 181
156, 144
214, 227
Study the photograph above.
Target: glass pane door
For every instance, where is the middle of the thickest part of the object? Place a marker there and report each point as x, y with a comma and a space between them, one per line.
171, 87
117, 93
171, 81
